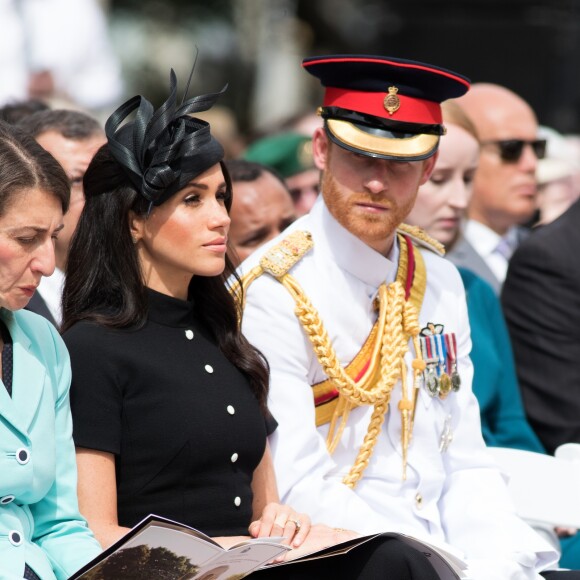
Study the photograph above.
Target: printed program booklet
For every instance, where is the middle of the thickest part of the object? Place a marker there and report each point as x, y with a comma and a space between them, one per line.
161, 548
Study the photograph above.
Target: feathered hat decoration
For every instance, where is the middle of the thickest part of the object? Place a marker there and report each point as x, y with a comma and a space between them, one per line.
162, 151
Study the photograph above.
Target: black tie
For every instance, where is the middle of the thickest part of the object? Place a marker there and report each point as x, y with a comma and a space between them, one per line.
29, 573
6, 357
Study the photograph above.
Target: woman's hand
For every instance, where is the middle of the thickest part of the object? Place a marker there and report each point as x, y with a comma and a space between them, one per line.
321, 537
281, 520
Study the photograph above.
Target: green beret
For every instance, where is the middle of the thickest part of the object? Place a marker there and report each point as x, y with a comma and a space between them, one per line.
287, 153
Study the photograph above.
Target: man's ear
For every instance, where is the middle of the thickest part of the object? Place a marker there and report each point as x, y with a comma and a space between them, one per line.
320, 146
428, 167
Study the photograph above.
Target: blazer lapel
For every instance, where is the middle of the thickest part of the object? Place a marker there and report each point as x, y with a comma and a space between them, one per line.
28, 380
463, 254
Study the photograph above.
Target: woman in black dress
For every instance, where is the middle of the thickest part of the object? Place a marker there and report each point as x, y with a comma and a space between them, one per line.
168, 398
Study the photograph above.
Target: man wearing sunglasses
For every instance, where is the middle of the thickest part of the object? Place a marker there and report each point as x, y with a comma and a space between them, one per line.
504, 189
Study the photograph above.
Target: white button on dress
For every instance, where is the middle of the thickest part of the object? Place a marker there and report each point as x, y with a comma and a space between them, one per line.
237, 501
234, 457
208, 369
230, 410
189, 334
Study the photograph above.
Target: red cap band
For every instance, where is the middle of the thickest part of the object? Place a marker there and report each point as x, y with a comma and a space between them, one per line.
411, 110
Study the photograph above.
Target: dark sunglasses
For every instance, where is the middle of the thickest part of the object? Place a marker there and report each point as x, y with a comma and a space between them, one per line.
510, 150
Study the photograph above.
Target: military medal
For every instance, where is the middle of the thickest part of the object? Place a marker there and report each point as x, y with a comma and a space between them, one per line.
430, 378
444, 378
444, 385
446, 435
451, 342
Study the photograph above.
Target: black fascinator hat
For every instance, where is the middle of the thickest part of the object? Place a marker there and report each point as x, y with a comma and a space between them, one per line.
162, 151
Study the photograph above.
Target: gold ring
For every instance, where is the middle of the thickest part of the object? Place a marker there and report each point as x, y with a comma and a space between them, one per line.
297, 523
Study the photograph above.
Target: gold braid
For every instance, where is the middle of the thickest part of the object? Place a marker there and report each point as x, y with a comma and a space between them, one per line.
399, 316
393, 349
312, 324
397, 323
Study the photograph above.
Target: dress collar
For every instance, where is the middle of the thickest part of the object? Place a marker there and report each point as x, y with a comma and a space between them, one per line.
349, 252
169, 311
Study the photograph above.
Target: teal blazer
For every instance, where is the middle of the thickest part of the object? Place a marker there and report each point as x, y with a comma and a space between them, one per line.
40, 524
495, 384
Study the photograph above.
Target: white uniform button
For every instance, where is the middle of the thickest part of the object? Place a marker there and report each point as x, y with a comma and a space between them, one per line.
234, 457
419, 501
231, 410
189, 334
22, 456
7, 499
208, 369
237, 501
15, 538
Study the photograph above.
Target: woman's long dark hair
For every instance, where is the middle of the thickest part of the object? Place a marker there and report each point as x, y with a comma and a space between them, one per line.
104, 283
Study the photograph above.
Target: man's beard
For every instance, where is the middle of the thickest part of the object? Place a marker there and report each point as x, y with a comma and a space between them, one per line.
370, 227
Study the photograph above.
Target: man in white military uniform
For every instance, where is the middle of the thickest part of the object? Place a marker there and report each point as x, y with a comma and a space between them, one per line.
366, 332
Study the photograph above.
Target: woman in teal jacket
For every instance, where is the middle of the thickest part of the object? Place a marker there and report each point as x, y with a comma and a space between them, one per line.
42, 534
503, 422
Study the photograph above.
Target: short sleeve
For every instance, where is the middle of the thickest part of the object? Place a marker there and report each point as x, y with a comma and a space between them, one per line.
96, 393
271, 423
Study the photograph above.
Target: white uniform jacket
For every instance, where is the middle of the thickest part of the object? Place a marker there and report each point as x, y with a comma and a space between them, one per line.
456, 499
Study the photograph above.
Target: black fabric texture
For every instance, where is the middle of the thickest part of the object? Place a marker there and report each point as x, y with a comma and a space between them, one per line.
146, 396
162, 151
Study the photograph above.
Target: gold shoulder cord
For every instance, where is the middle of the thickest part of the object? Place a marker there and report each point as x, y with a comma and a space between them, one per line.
397, 324
422, 238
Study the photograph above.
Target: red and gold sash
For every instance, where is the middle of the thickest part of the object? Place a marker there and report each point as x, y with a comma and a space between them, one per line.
412, 274
371, 376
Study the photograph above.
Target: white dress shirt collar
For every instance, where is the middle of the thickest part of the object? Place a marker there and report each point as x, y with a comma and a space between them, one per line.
349, 252
487, 244
50, 290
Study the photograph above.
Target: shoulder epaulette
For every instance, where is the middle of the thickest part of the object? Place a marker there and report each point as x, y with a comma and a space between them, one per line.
282, 257
421, 238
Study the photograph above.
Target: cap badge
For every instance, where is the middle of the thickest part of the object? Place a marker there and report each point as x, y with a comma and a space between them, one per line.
392, 101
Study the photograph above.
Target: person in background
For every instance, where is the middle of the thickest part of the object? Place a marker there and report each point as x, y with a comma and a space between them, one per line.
42, 534
541, 305
72, 137
504, 188
558, 176
57, 50
367, 335
290, 154
261, 207
168, 397
440, 211
15, 110
542, 308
